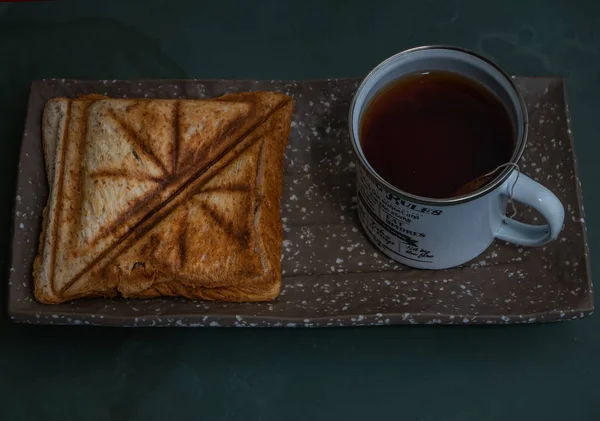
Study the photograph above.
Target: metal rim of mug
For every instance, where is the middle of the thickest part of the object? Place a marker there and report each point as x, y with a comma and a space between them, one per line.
498, 180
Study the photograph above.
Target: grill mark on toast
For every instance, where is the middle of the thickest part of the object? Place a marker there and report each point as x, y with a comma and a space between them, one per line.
176, 139
182, 239
228, 189
258, 197
240, 236
135, 138
123, 174
136, 233
200, 189
59, 199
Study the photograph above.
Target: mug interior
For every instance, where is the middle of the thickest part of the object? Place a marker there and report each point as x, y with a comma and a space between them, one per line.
449, 59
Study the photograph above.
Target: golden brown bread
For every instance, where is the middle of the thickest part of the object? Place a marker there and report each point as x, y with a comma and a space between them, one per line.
163, 197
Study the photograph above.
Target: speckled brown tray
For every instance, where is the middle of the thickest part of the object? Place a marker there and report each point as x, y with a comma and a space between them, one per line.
332, 275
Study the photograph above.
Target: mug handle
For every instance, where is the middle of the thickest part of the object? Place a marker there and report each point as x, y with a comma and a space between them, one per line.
533, 194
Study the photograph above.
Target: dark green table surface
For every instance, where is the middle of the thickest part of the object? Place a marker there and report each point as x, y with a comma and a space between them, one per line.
537, 372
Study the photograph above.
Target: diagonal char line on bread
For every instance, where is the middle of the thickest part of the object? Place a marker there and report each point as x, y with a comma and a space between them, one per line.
133, 232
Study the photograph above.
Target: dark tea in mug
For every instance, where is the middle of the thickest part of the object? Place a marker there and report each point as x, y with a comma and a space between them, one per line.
432, 133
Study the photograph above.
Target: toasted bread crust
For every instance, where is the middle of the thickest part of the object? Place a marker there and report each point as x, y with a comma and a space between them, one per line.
155, 250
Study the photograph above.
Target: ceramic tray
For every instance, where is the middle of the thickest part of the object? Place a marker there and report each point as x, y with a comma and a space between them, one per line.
332, 275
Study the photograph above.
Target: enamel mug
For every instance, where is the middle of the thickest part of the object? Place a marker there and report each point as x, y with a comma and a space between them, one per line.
431, 233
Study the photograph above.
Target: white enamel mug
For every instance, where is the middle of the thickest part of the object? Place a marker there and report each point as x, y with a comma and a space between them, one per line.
431, 233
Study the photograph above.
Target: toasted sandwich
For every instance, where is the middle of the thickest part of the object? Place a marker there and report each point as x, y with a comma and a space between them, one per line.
163, 198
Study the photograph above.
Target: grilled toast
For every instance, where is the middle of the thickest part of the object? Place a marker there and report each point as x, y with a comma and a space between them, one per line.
163, 197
